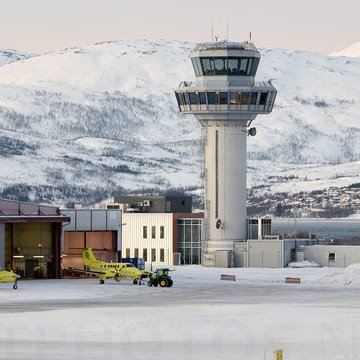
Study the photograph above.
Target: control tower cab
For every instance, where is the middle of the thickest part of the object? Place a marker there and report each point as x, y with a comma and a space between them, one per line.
225, 99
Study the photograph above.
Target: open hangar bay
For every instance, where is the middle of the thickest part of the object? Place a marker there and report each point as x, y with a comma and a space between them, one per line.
200, 317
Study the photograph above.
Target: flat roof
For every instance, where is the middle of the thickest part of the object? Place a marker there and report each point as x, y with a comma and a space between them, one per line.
33, 218
225, 45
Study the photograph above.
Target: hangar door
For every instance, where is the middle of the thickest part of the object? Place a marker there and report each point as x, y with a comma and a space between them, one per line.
32, 249
103, 243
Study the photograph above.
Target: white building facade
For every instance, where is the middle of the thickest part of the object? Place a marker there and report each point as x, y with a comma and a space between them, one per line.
149, 236
333, 255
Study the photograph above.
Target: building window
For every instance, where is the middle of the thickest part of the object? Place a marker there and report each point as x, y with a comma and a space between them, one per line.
162, 255
161, 232
136, 253
332, 257
189, 240
127, 253
153, 254
153, 232
144, 232
145, 254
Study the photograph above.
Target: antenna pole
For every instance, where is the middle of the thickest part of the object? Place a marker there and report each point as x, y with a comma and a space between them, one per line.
227, 28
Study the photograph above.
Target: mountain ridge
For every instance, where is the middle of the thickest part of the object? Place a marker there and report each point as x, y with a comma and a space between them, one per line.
105, 117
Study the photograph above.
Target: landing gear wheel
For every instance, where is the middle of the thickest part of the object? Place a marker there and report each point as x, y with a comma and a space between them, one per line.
101, 281
163, 283
170, 282
15, 286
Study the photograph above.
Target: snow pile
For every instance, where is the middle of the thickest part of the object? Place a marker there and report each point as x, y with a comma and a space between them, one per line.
302, 264
349, 276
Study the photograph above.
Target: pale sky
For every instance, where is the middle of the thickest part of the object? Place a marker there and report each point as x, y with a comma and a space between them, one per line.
45, 25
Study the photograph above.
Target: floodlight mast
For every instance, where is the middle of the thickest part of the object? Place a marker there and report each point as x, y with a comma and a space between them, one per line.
225, 99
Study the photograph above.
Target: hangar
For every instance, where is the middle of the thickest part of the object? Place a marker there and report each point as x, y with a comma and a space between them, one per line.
30, 238
99, 229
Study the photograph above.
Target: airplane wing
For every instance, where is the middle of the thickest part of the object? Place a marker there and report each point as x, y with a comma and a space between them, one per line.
87, 271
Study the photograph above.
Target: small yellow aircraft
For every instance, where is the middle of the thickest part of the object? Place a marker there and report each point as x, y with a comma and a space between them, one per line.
108, 270
8, 276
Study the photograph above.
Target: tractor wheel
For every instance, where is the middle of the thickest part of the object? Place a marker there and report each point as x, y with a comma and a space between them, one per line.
155, 283
101, 281
135, 282
163, 283
15, 286
170, 282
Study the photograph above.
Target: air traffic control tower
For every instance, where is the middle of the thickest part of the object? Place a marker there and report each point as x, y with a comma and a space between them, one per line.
225, 99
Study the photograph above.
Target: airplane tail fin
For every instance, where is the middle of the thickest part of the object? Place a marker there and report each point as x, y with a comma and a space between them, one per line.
88, 256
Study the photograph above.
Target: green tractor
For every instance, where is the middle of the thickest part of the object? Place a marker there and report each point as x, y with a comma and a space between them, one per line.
160, 277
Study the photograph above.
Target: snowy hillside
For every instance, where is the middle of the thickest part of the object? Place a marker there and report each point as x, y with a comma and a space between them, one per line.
86, 122
9, 56
351, 51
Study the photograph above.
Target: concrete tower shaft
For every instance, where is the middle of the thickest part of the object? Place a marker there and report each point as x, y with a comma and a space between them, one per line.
225, 99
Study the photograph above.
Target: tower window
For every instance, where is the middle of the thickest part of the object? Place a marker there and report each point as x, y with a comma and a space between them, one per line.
211, 98
245, 98
253, 98
219, 66
227, 65
202, 98
192, 98
263, 97
224, 97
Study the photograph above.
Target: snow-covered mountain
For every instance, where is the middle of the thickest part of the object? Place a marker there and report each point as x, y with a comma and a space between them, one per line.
351, 51
83, 123
9, 56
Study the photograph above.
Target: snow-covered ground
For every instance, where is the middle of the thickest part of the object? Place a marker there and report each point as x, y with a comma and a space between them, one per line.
200, 317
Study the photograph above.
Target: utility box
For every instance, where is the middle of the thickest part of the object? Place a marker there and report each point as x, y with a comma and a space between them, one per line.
223, 258
137, 262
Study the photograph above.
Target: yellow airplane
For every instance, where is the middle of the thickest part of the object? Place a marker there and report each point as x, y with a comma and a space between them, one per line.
108, 270
8, 276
